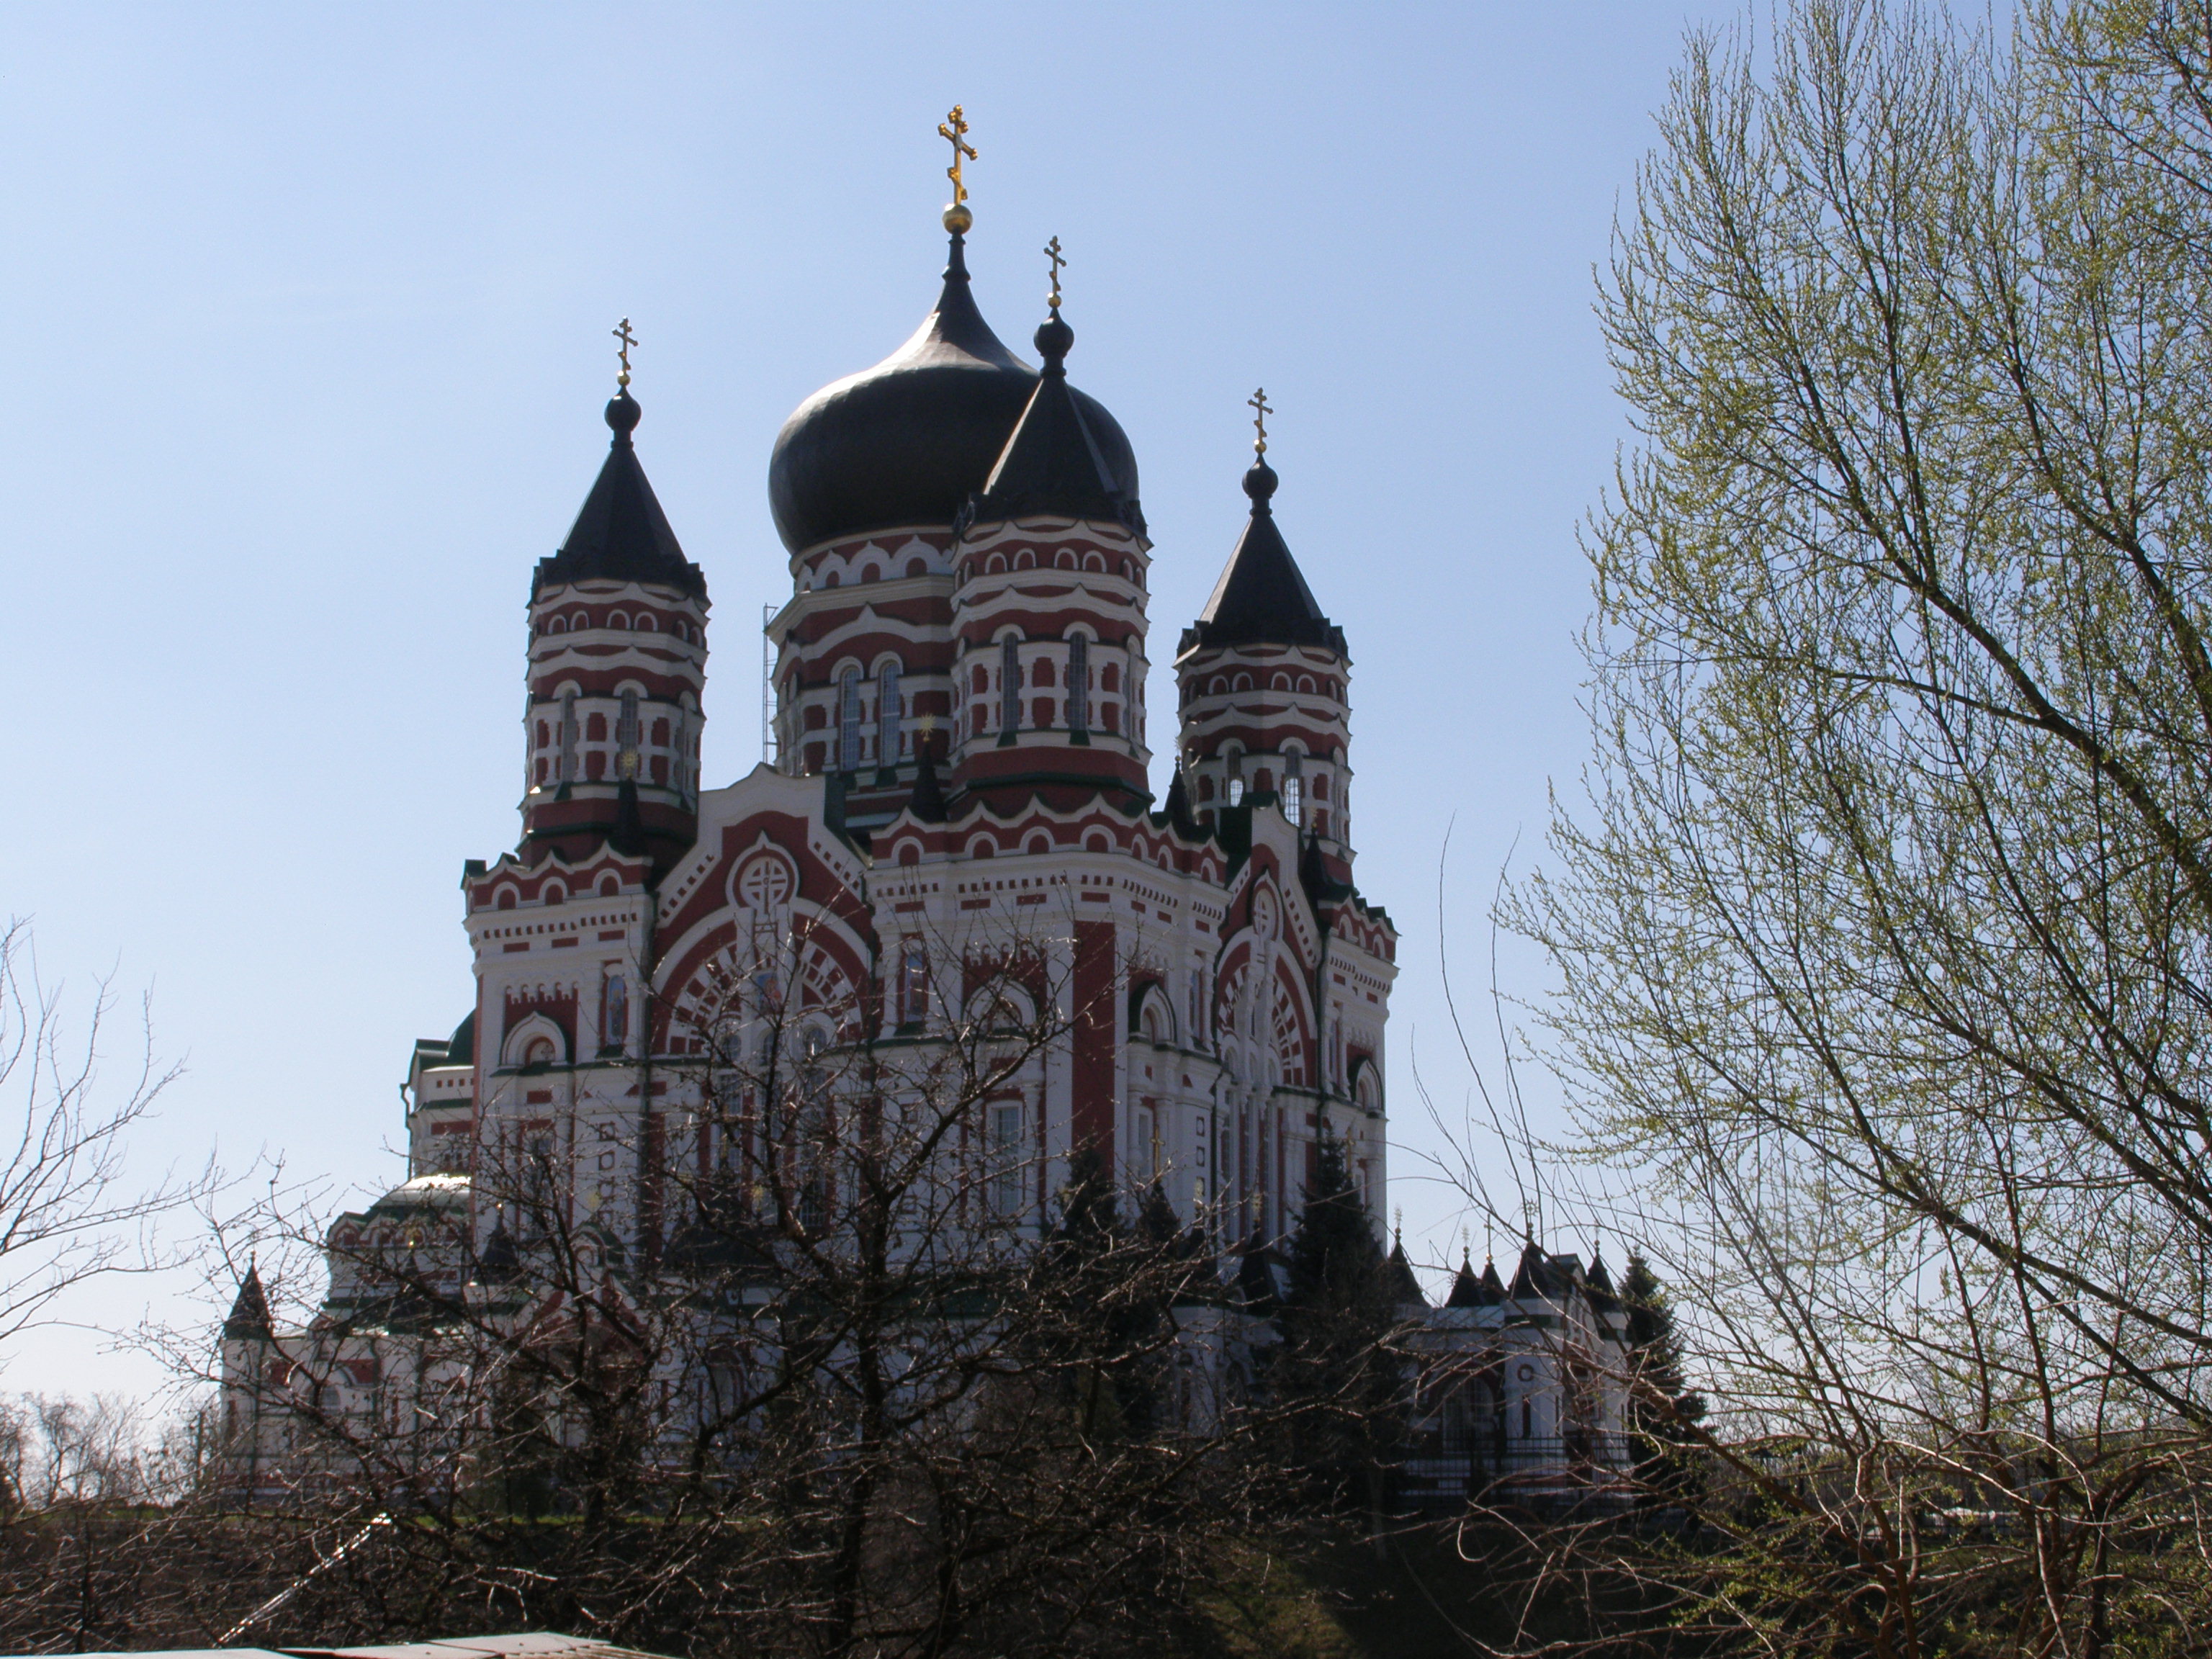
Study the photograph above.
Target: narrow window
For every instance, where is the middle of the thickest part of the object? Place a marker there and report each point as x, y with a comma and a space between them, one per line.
1078, 683
913, 988
1010, 684
567, 772
848, 720
626, 737
887, 715
1005, 1159
615, 1038
1294, 786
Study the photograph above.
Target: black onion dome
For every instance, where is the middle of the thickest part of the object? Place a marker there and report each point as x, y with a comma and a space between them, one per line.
906, 442
621, 534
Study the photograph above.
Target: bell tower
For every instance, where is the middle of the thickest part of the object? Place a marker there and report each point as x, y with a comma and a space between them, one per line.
618, 664
1049, 568
1263, 680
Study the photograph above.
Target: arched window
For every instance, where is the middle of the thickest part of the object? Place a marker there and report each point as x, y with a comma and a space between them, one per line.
848, 720
567, 769
1233, 782
1078, 683
1010, 684
1294, 788
887, 714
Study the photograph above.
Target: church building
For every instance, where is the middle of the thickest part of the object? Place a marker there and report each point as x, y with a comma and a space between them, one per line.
963, 730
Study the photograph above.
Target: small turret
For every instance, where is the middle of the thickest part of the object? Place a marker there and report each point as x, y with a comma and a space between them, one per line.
618, 664
1262, 676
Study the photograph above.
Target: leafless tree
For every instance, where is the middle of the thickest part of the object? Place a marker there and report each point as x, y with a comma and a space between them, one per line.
69, 1211
834, 1353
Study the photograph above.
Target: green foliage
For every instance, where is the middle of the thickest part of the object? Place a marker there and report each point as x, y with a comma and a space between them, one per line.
1883, 944
1335, 1357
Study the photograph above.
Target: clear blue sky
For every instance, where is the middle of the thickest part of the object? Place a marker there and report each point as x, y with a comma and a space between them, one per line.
310, 305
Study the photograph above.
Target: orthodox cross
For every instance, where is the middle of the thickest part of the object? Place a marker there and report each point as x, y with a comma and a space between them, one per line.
1258, 404
628, 340
1052, 252
954, 129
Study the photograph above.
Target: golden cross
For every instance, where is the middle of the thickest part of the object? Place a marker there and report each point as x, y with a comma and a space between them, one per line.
954, 128
1052, 252
1258, 403
628, 340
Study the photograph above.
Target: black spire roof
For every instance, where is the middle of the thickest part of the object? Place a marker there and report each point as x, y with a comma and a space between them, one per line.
1398, 1279
1261, 598
909, 441
622, 534
927, 801
1537, 1276
249, 1318
1467, 1289
1055, 466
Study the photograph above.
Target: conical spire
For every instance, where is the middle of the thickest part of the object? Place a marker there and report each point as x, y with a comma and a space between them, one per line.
1053, 465
927, 802
1398, 1278
1467, 1290
1261, 598
621, 534
1177, 806
249, 1320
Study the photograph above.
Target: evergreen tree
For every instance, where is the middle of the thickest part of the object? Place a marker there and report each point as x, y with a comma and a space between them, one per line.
1336, 1356
1662, 1411
1114, 1304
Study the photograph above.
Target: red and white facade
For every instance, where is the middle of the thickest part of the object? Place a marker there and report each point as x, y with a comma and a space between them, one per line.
965, 755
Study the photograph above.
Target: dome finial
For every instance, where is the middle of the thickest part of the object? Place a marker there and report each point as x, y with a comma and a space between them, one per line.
628, 340
1260, 481
623, 411
954, 129
1055, 338
1052, 252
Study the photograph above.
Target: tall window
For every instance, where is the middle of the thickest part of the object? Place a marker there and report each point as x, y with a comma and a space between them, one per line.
567, 772
848, 720
613, 1035
1010, 684
1078, 683
626, 737
887, 715
1294, 786
1006, 1159
914, 986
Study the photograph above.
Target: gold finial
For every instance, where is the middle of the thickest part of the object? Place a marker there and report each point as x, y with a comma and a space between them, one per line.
1052, 252
628, 340
954, 129
1258, 403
